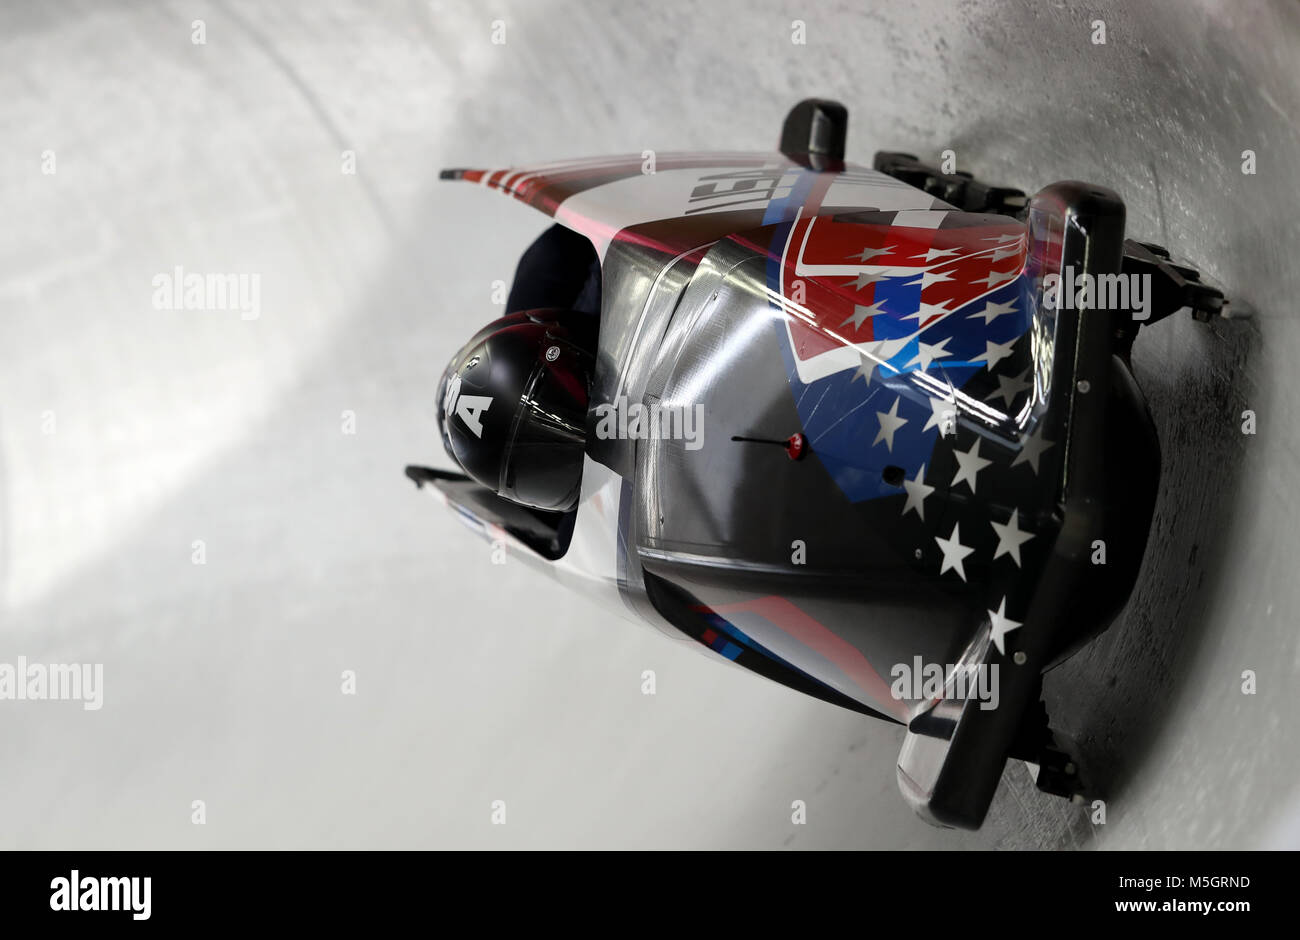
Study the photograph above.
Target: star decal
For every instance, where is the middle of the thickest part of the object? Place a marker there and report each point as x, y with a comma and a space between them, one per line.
1031, 448
868, 253
863, 279
873, 354
996, 352
968, 465
928, 352
940, 253
917, 491
934, 277
992, 311
997, 277
1001, 625
927, 313
1009, 387
861, 314
866, 365
953, 552
889, 423
1010, 537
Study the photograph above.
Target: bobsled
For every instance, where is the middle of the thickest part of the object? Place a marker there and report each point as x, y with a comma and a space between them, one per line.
869, 432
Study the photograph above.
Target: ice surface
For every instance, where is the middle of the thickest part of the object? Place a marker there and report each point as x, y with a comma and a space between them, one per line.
479, 682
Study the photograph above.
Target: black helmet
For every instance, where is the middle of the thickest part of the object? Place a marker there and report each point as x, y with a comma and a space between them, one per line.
512, 406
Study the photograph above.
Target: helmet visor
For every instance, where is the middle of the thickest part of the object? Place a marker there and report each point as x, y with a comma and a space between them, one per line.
544, 456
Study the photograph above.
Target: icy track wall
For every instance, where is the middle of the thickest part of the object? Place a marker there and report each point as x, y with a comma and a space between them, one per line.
176, 429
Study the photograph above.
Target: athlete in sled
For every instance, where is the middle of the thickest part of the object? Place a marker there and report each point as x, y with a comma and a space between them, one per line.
920, 429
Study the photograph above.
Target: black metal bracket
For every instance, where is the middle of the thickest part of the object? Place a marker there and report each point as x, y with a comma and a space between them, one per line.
1174, 286
959, 189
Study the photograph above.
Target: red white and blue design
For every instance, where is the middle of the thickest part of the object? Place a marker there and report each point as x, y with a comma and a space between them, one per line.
893, 312
952, 450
